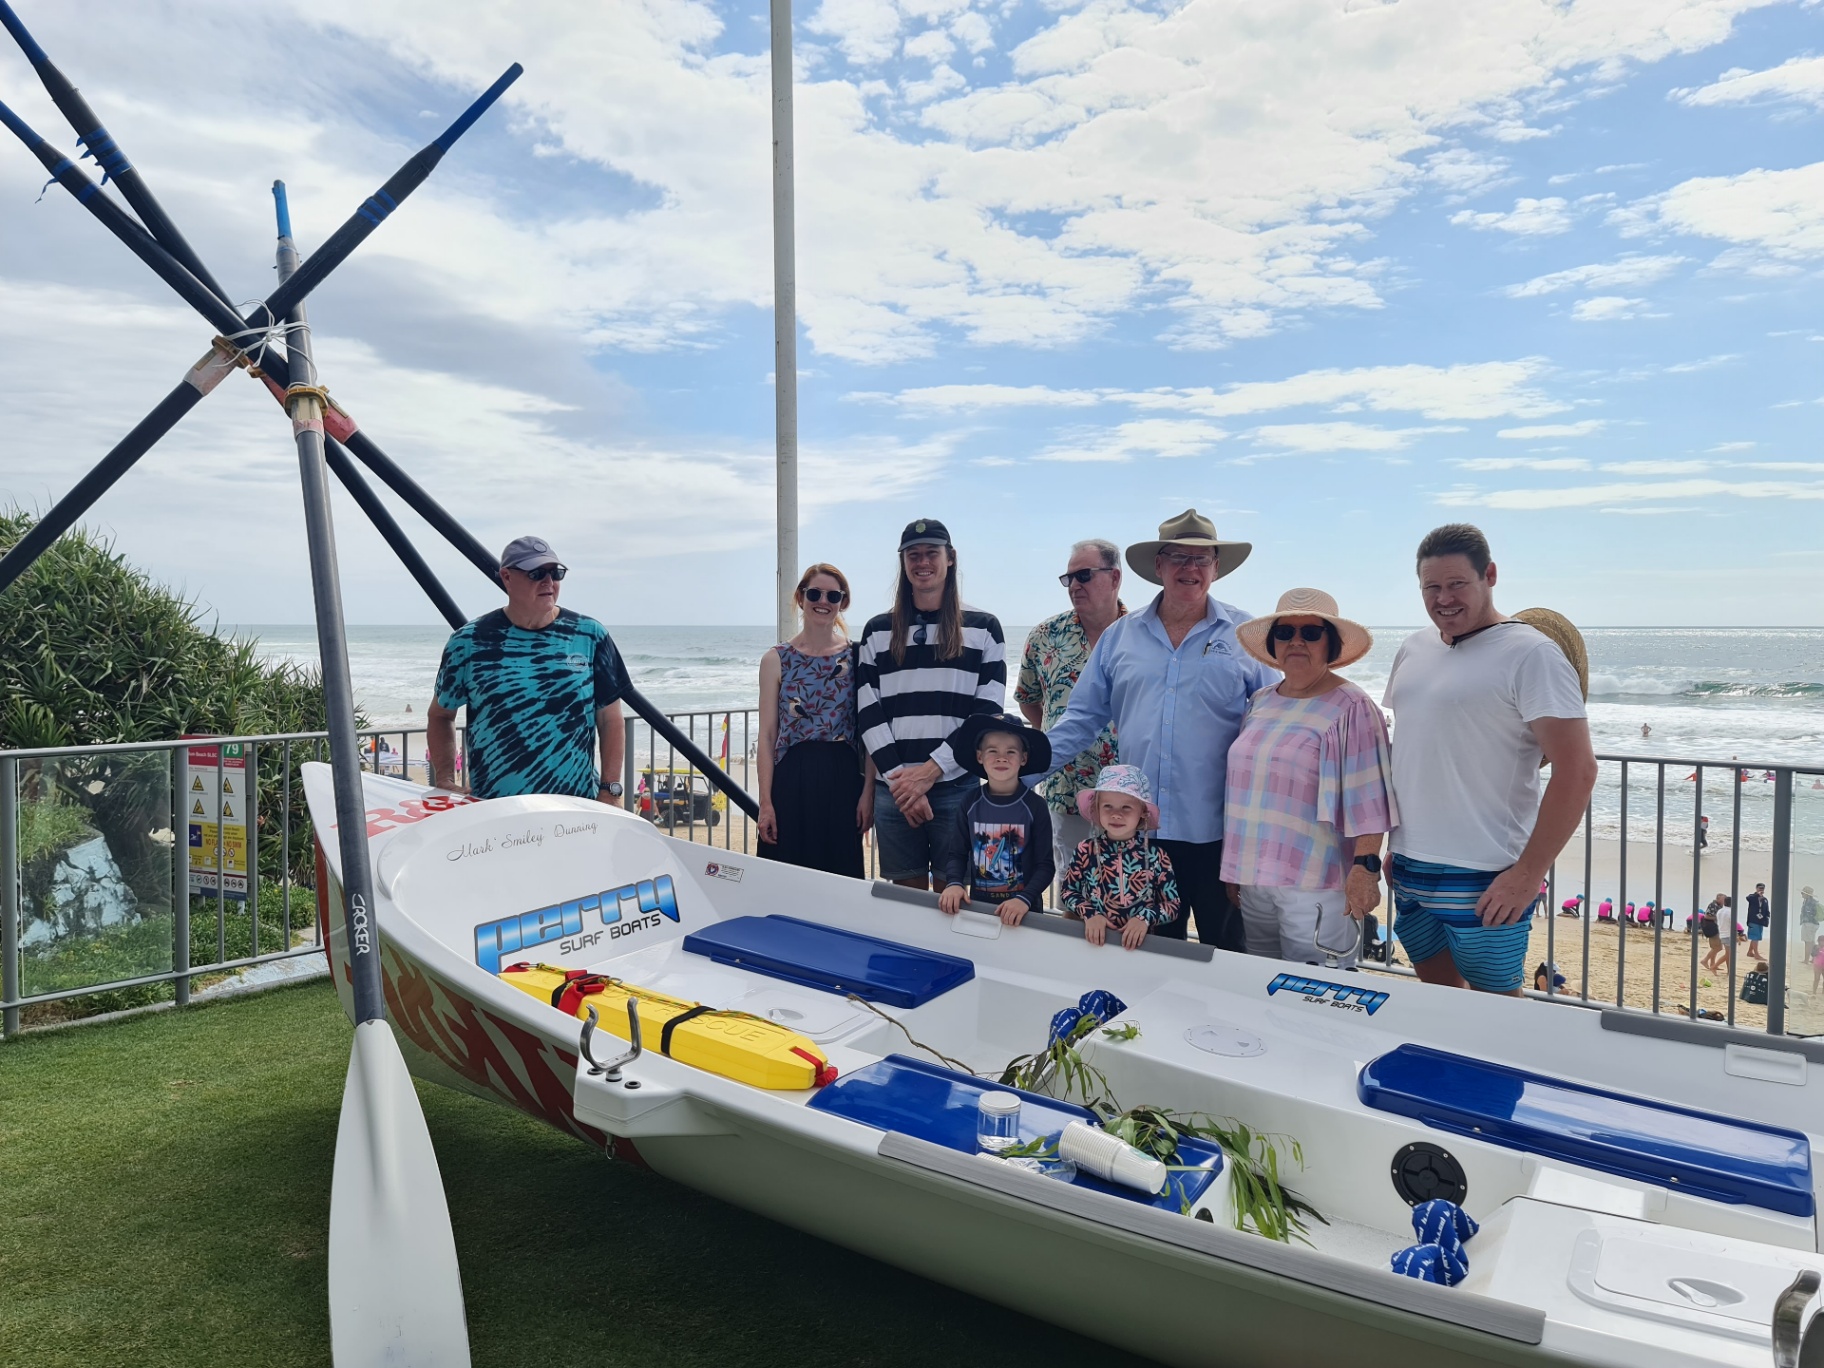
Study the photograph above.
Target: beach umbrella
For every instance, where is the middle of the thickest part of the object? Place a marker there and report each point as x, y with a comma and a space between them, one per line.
242, 332
395, 1291
107, 153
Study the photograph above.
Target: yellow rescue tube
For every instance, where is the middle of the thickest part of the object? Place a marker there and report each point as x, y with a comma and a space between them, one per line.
737, 1045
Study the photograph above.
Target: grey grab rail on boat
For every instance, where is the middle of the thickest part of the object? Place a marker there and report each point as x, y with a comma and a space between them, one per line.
1046, 921
1472, 1311
1706, 1033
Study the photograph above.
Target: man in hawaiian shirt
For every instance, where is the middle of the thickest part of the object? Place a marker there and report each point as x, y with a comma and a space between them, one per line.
1054, 656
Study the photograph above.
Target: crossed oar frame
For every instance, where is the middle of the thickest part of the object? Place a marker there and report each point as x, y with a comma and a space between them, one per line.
393, 1280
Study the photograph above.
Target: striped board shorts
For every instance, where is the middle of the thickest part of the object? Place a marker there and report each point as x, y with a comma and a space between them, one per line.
1435, 910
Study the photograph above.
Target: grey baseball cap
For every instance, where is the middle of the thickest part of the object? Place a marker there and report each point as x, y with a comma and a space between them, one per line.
528, 553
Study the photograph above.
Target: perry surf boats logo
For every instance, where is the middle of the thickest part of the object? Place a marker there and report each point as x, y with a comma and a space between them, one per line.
1346, 996
623, 911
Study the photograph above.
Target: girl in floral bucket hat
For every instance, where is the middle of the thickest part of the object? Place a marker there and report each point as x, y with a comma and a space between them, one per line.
1118, 880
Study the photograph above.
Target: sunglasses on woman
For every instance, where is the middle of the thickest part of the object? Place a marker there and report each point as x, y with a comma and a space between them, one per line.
1083, 576
546, 572
835, 596
1285, 631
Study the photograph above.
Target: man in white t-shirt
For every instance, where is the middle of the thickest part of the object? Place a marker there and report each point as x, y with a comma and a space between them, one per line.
1477, 705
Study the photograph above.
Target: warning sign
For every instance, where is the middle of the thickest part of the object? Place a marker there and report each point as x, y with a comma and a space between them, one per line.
220, 808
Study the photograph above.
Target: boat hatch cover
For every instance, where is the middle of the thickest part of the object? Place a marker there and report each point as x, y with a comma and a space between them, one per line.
835, 961
1740, 1162
932, 1103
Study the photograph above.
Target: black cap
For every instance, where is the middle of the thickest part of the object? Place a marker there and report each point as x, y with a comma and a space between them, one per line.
924, 532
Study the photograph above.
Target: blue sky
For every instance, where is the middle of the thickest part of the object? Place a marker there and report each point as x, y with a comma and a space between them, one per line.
1331, 272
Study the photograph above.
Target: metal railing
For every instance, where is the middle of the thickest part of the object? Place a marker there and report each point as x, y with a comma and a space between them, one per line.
1766, 825
1666, 826
99, 894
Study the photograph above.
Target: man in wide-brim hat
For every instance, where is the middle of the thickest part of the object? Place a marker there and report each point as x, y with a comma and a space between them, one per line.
1175, 683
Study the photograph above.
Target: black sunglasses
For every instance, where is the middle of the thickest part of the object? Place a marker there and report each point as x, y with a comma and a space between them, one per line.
545, 572
1083, 576
1284, 631
835, 596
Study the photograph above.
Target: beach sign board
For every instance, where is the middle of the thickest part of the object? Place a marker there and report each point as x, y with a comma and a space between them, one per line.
219, 801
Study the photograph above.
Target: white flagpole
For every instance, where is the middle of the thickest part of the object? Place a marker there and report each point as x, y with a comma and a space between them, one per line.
785, 326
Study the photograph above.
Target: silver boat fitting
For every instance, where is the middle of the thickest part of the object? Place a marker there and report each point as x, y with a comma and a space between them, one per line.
609, 1071
1335, 955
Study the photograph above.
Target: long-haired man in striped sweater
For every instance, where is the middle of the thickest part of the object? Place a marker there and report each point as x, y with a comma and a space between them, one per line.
923, 668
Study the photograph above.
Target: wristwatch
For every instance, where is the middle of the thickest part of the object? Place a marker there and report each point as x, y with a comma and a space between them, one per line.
1371, 863
615, 788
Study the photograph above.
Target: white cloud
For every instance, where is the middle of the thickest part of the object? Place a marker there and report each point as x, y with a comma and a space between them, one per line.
1589, 496
1656, 467
1523, 463
1606, 309
1801, 79
1165, 437
1321, 437
1776, 216
1541, 431
1528, 217
1472, 390
1733, 446
1627, 271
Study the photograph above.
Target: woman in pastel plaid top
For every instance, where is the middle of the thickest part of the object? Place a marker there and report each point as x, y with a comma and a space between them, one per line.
1310, 788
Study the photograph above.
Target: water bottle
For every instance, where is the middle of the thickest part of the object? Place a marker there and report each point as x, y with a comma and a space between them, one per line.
997, 1122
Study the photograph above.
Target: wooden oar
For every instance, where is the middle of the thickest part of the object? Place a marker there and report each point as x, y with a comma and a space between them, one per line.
395, 1291
107, 153
64, 514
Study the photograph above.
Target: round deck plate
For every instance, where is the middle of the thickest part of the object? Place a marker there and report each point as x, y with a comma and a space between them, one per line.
1220, 1038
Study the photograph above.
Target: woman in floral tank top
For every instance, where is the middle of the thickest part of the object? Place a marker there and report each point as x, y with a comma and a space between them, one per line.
816, 799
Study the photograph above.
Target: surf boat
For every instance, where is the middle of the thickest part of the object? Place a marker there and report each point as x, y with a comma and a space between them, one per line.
815, 1049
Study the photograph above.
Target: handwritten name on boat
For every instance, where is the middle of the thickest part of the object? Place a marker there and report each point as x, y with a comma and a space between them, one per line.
624, 911
1323, 993
532, 838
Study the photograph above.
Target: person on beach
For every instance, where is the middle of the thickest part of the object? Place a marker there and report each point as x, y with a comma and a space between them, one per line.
1808, 921
542, 687
1717, 928
1703, 833
1175, 683
815, 790
1000, 852
1605, 910
1118, 880
1055, 653
1571, 907
1479, 704
1760, 917
1309, 797
923, 667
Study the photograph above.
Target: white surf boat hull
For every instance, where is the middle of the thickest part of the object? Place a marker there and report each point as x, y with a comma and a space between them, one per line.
1634, 1262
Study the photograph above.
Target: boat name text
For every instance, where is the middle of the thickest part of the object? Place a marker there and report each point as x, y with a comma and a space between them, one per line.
625, 910
1347, 997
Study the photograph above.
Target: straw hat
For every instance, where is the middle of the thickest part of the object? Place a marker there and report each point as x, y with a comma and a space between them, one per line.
1189, 528
1569, 640
1357, 639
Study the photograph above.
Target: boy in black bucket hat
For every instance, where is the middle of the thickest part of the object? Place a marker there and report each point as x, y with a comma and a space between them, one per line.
1000, 851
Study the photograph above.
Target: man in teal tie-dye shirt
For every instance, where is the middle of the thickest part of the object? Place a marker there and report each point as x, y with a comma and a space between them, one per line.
542, 687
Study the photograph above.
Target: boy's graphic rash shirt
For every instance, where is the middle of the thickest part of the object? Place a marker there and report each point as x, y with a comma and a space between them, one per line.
1004, 847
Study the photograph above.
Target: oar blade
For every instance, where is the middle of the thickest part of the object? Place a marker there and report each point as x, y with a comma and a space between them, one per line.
395, 1293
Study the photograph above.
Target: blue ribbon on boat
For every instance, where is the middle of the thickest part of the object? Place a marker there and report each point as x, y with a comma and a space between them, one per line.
1441, 1227
1098, 1003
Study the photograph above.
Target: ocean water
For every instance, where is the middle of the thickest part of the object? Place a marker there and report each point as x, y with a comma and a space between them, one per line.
1716, 694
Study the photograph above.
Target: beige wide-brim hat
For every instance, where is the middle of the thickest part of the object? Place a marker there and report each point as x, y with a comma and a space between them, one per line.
1189, 528
1569, 640
1357, 639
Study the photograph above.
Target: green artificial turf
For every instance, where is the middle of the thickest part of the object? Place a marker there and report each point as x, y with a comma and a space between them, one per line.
164, 1199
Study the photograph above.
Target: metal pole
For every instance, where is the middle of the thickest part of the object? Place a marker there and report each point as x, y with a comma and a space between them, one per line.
332, 651
180, 875
628, 765
785, 324
9, 895
1779, 892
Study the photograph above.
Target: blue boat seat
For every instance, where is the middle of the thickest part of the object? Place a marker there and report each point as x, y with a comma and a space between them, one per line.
1714, 1157
900, 1093
827, 958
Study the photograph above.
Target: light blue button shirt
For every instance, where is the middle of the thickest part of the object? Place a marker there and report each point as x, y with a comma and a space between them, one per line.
1176, 711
